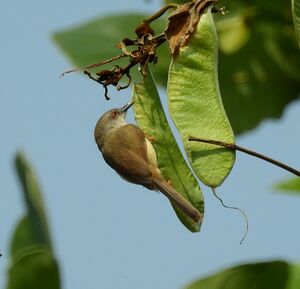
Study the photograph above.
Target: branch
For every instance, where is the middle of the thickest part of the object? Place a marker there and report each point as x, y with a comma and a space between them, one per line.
94, 64
247, 151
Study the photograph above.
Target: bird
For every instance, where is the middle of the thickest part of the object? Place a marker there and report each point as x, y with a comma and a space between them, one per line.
127, 150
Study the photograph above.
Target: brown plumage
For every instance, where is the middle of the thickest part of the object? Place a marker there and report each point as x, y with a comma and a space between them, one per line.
126, 149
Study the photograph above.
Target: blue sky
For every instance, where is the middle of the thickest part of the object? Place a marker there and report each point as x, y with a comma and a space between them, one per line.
108, 233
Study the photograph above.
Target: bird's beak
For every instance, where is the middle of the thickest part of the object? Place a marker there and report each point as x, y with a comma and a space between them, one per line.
127, 106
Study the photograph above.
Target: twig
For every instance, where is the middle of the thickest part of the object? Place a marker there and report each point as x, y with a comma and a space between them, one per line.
159, 39
160, 12
98, 81
247, 151
95, 64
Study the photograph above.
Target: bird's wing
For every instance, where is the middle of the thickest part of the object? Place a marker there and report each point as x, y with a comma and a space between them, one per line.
125, 151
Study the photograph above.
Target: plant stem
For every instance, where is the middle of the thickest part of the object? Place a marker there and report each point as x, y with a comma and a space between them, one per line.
247, 151
160, 12
95, 64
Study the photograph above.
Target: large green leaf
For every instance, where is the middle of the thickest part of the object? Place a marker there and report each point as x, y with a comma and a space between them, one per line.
33, 263
292, 185
258, 69
151, 118
35, 270
36, 221
296, 17
95, 41
267, 275
196, 106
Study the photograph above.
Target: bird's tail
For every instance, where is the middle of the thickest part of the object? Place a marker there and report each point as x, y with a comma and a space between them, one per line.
175, 198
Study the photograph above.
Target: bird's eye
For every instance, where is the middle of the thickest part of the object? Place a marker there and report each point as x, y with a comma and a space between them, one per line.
114, 114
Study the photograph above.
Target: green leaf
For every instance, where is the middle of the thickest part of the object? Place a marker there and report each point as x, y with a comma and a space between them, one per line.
36, 216
294, 277
275, 275
33, 265
95, 41
258, 66
24, 238
35, 270
232, 39
292, 185
196, 106
296, 18
151, 118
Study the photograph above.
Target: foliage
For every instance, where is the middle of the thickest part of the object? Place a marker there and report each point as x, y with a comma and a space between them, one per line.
256, 80
33, 264
296, 17
291, 185
275, 275
192, 87
258, 76
258, 56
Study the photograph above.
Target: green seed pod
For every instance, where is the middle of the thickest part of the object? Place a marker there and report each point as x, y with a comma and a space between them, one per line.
151, 119
196, 107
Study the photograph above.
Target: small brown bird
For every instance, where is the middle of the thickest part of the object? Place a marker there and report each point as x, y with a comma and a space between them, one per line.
126, 149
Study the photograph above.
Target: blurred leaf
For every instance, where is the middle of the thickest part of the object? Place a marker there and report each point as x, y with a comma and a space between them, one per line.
36, 217
294, 277
24, 238
95, 41
196, 106
231, 40
33, 265
151, 118
35, 270
267, 275
259, 79
291, 185
296, 17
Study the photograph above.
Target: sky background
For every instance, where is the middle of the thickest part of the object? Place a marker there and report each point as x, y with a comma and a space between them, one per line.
108, 233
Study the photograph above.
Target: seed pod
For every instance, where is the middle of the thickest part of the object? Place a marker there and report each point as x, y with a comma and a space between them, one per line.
151, 118
195, 104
